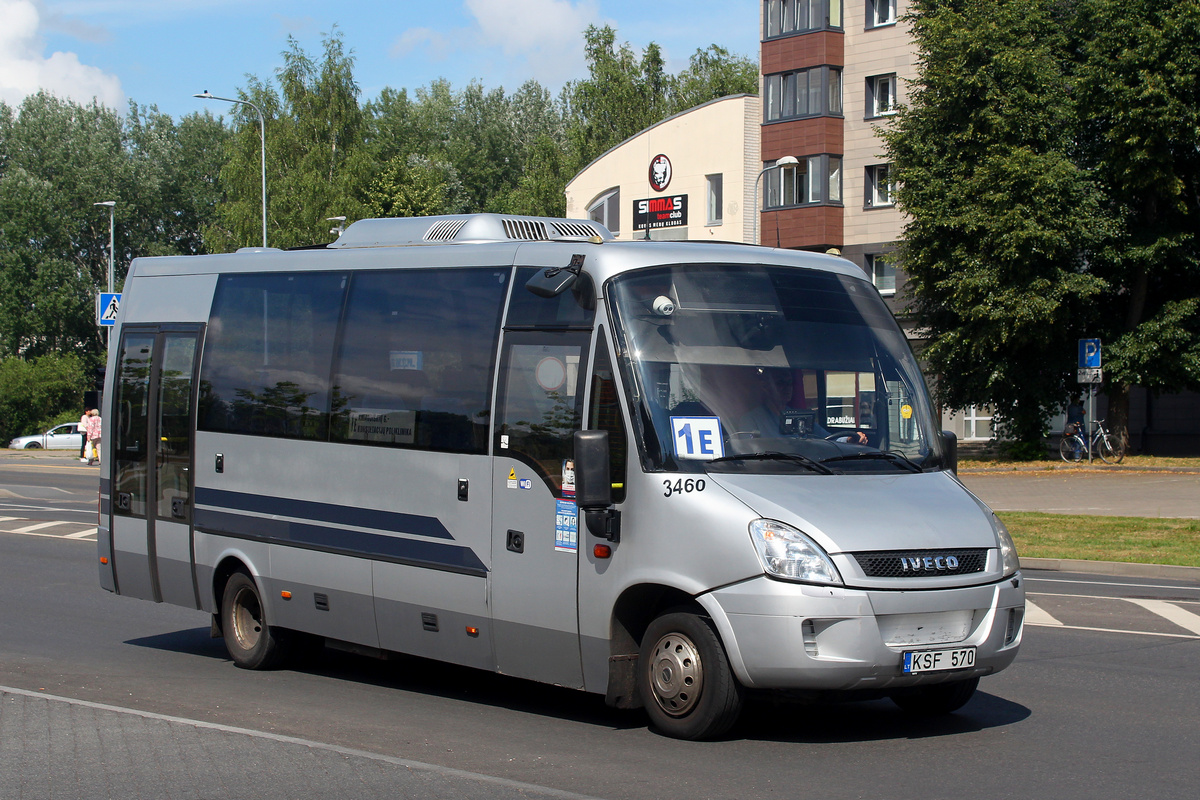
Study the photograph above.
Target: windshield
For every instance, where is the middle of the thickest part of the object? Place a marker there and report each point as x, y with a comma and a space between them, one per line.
736, 368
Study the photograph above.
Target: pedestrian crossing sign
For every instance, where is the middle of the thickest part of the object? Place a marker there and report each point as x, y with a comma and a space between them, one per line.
106, 308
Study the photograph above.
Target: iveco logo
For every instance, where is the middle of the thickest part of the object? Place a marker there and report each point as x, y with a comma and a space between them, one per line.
929, 564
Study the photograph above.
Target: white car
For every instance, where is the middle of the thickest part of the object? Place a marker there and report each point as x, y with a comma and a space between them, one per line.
60, 437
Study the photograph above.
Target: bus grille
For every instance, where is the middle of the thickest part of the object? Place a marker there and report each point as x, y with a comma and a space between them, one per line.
921, 563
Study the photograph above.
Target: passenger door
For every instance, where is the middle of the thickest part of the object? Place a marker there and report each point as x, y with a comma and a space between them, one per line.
152, 470
535, 537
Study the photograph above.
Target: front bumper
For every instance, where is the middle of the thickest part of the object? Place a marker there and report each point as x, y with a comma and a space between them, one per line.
781, 635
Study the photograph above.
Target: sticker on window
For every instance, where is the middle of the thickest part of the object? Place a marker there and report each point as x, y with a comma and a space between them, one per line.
406, 359
697, 438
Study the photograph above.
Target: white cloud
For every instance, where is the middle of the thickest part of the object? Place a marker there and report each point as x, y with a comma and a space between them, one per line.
436, 47
547, 35
24, 67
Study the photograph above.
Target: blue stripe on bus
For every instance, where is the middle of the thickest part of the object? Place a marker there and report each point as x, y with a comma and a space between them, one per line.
397, 522
414, 552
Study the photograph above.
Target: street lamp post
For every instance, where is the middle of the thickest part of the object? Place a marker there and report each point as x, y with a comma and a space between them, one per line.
112, 210
785, 161
262, 130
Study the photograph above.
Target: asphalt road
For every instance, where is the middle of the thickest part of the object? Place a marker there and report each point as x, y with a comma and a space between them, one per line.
104, 696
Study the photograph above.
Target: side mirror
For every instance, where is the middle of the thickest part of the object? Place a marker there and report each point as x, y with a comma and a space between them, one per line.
593, 485
950, 450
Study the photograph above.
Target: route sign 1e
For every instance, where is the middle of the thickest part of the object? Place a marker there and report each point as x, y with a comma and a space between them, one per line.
1089, 354
107, 305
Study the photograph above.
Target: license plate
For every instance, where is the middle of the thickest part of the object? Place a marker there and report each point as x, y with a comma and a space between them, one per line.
916, 661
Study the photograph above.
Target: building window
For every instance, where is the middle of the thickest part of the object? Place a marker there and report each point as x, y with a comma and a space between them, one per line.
881, 95
783, 17
882, 272
816, 179
805, 93
879, 186
977, 423
715, 198
606, 209
881, 12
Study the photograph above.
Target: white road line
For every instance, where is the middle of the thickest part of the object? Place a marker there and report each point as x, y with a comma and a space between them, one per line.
1172, 613
437, 769
38, 527
1035, 615
10, 519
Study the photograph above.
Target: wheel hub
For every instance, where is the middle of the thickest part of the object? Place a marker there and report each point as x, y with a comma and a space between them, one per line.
676, 674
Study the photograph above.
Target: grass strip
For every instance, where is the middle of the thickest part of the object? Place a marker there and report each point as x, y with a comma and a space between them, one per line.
1139, 540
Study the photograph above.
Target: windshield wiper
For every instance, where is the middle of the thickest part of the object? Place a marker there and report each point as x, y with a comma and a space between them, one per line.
772, 455
886, 455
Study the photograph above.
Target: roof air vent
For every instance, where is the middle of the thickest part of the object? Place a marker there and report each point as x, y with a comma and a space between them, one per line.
527, 229
445, 230
574, 229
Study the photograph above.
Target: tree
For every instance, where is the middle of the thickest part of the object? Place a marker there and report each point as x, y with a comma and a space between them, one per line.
714, 73
1002, 220
1142, 143
317, 162
414, 186
35, 392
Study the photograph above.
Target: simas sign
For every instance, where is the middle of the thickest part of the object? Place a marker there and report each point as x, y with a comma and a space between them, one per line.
660, 212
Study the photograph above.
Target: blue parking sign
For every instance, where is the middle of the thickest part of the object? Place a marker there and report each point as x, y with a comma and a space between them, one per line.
106, 309
1089, 354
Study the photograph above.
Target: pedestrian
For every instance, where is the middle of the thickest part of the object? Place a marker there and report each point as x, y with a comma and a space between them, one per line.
82, 428
93, 436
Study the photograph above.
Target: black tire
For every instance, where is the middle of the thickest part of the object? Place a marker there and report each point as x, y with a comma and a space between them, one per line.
33, 446
251, 642
940, 698
1072, 449
1110, 454
684, 678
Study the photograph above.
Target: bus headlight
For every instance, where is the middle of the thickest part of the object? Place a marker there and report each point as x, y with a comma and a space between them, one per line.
787, 553
1008, 550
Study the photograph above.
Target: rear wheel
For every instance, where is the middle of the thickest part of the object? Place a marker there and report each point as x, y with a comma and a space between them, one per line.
1109, 453
940, 698
251, 643
684, 678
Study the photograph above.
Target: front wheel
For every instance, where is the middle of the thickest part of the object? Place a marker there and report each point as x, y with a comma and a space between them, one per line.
1109, 453
940, 698
250, 641
33, 446
684, 678
1071, 449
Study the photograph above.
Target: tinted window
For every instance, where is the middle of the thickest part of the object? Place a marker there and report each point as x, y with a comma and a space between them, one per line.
268, 354
131, 447
415, 365
573, 308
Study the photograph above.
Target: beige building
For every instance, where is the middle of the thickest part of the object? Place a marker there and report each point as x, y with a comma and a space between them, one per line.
690, 176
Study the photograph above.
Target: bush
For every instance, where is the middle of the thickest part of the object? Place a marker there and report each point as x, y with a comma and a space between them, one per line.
1023, 451
35, 392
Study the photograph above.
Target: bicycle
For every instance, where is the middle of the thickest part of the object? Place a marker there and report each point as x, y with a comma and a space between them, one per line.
1073, 446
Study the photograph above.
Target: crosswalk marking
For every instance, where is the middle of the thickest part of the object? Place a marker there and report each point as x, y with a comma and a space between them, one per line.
39, 526
1035, 615
1171, 612
83, 534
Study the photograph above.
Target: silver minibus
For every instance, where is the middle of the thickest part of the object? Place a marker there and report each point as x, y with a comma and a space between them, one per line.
671, 473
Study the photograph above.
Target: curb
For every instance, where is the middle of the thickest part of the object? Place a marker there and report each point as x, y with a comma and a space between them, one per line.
1116, 568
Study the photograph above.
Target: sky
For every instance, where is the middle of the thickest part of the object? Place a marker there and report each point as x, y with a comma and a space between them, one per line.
161, 52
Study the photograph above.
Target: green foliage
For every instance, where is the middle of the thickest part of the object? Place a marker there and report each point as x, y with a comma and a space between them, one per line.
1142, 142
1001, 217
414, 186
1049, 160
36, 393
58, 158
